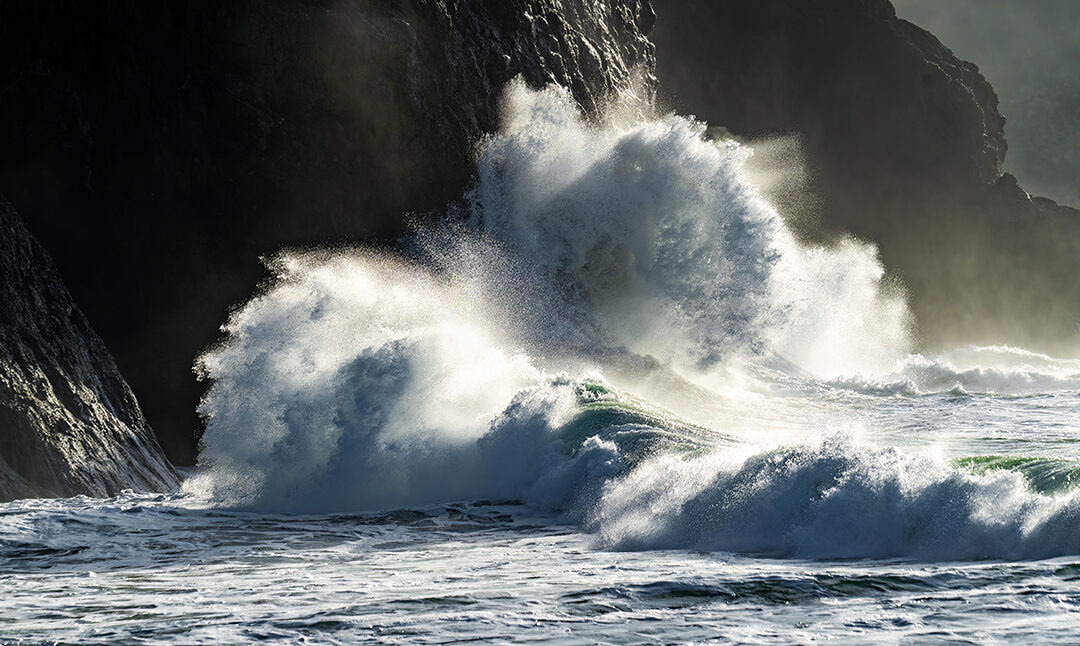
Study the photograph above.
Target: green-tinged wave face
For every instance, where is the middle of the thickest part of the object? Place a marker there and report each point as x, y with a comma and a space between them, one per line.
1044, 475
641, 253
638, 428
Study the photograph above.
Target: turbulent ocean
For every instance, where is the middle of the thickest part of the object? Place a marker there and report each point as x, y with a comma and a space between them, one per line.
609, 398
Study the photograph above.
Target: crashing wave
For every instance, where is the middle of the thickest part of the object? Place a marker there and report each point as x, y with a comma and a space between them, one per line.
590, 261
973, 370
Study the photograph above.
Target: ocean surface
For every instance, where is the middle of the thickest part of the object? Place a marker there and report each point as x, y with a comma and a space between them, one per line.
611, 399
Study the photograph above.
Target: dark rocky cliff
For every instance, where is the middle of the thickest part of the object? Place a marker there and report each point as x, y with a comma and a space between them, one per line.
69, 424
158, 148
904, 144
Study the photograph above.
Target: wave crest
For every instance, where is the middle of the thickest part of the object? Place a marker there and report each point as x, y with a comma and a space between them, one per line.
356, 381
835, 499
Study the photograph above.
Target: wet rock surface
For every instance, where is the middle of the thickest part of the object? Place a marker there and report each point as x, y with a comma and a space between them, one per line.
69, 424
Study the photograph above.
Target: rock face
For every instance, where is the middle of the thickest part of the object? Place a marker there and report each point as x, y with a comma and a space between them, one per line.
904, 144
68, 422
157, 149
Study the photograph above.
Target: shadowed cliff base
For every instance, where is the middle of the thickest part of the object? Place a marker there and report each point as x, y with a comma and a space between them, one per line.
903, 145
158, 149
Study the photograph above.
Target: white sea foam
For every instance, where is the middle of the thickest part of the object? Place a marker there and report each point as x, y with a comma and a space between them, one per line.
646, 236
976, 370
835, 499
357, 381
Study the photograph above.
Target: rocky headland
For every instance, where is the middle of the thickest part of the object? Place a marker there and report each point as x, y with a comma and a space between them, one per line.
69, 423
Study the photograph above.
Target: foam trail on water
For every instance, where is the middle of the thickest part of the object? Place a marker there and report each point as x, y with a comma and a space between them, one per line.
585, 259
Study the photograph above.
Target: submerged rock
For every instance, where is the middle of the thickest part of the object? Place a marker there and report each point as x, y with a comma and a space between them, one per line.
69, 424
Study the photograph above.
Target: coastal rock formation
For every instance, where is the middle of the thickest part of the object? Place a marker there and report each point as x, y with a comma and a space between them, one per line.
69, 424
158, 149
904, 145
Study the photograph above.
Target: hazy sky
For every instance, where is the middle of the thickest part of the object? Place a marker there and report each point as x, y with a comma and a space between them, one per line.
1030, 51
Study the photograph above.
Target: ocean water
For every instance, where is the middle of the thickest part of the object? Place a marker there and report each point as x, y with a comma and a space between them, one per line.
610, 399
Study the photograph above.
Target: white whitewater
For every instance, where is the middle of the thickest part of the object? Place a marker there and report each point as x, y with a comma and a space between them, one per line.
634, 256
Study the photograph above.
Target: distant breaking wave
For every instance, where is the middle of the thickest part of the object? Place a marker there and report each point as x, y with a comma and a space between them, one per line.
973, 370
589, 262
836, 499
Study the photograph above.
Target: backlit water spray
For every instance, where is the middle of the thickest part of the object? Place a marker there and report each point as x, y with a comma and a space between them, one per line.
614, 327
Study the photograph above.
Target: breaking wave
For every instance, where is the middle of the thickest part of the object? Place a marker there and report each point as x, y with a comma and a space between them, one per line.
496, 359
973, 370
836, 499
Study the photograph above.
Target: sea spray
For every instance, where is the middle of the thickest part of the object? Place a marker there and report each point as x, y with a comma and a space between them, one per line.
356, 383
584, 253
646, 237
835, 498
